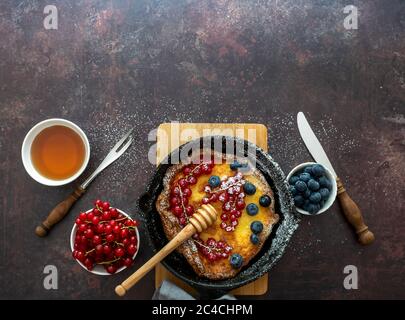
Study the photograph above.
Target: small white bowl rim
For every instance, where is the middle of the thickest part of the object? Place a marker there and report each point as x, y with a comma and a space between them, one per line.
102, 271
332, 196
26, 149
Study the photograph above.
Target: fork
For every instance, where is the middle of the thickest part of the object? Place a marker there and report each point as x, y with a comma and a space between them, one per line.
62, 209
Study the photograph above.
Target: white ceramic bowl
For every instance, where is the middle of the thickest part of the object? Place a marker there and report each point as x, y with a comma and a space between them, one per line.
99, 270
26, 151
333, 192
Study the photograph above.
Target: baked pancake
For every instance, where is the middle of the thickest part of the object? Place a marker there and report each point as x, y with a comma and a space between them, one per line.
244, 202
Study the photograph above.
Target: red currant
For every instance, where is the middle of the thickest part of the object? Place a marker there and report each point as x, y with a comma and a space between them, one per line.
190, 210
205, 200
107, 249
133, 239
106, 205
119, 252
82, 227
108, 229
116, 229
126, 242
78, 221
183, 183
106, 216
175, 191
99, 249
96, 240
182, 221
177, 210
90, 216
100, 228
123, 233
83, 216
131, 249
111, 269
187, 192
95, 220
240, 204
174, 201
187, 170
98, 203
89, 233
127, 262
110, 237
114, 213
191, 180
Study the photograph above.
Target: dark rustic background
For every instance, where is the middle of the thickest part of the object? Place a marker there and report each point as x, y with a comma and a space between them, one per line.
116, 64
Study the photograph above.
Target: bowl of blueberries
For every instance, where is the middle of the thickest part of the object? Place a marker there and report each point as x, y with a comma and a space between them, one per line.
313, 188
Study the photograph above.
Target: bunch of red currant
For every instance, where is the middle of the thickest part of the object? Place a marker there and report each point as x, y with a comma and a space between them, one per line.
213, 250
181, 192
105, 237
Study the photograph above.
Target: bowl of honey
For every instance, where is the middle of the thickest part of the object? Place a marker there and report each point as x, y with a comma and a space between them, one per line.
55, 152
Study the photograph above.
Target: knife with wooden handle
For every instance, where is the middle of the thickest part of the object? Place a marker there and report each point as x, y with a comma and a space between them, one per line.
349, 207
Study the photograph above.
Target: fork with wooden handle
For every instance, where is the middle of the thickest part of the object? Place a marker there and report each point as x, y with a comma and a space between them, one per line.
62, 209
201, 220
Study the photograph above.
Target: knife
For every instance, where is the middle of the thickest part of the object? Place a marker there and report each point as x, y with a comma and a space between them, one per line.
62, 209
349, 207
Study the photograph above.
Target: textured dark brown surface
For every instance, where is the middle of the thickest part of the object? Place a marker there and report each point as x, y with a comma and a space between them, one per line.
114, 64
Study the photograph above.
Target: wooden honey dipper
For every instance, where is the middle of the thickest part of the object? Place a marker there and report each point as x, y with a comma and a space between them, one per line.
201, 220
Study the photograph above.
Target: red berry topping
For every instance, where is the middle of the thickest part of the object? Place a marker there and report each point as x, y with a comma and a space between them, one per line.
189, 210
187, 192
178, 211
183, 183
187, 171
191, 180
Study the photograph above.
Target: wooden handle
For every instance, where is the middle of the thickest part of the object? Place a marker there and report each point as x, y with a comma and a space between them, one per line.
58, 213
202, 219
353, 215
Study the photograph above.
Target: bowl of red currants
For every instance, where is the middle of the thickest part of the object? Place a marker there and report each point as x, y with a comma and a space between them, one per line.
104, 240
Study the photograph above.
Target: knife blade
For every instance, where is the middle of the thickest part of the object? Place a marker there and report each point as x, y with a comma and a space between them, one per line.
312, 143
62, 209
349, 207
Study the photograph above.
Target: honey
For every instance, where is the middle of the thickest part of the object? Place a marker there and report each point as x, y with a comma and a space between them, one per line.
57, 152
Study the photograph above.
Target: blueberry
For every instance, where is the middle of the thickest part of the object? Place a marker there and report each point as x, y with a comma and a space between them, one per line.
323, 182
313, 185
299, 200
293, 180
315, 197
306, 194
256, 227
236, 260
254, 238
249, 188
214, 181
308, 169
313, 208
318, 170
322, 203
265, 200
305, 176
324, 192
252, 209
236, 165
293, 191
306, 205
301, 186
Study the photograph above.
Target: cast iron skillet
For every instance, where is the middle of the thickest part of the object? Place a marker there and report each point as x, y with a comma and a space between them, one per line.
272, 249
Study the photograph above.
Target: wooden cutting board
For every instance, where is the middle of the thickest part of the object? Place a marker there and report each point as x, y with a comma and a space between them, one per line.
169, 137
